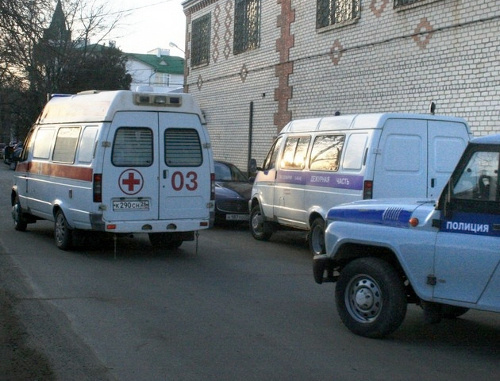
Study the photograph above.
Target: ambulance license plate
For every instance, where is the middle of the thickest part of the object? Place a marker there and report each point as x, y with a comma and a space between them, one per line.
130, 204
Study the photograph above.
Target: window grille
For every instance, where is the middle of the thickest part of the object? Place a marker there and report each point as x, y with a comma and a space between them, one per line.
200, 40
182, 148
332, 12
133, 147
400, 3
246, 25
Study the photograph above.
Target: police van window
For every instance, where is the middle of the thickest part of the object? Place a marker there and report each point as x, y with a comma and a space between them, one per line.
354, 152
182, 148
294, 154
87, 145
479, 180
270, 160
132, 147
326, 152
43, 143
66, 143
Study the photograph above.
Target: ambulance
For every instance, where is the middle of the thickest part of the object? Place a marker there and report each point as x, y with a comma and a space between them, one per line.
120, 162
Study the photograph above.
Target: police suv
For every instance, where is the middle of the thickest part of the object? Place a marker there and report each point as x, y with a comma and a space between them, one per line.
443, 256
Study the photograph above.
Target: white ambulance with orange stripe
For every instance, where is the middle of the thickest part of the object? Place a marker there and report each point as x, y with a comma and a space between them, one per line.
117, 161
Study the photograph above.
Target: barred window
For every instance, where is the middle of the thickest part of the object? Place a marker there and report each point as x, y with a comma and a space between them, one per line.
400, 3
182, 148
332, 12
246, 25
200, 40
133, 147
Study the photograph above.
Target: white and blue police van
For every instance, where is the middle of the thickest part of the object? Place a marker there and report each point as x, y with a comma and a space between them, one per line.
443, 256
120, 162
318, 163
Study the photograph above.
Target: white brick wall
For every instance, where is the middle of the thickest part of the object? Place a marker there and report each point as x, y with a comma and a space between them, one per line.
381, 68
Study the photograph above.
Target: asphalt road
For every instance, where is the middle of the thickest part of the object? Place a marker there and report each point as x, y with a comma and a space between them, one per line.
237, 309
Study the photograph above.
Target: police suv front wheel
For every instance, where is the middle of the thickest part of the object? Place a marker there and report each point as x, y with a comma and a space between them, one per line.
370, 297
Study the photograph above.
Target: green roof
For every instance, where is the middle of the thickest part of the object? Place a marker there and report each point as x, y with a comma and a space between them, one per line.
162, 64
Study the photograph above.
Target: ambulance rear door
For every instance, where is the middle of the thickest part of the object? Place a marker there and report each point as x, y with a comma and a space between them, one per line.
185, 167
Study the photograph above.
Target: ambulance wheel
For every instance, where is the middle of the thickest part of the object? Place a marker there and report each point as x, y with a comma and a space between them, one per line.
260, 229
370, 297
20, 223
317, 237
164, 241
62, 232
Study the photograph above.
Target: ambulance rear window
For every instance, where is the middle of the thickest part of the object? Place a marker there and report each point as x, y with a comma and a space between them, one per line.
182, 148
133, 147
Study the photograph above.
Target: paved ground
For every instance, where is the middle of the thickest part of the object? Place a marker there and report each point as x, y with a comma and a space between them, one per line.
17, 360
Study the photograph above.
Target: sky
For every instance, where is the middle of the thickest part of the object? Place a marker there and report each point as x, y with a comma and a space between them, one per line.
149, 24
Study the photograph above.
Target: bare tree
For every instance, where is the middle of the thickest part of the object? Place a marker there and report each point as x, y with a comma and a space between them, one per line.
41, 53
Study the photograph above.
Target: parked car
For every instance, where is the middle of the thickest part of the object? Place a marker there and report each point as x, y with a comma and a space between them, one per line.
442, 255
232, 193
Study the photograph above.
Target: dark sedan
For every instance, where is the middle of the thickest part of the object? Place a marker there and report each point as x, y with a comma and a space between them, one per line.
232, 192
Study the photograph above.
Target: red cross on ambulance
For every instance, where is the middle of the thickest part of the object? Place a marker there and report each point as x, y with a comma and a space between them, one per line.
131, 181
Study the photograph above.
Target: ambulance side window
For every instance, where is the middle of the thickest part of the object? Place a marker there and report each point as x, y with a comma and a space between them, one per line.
182, 147
86, 151
66, 143
43, 143
132, 147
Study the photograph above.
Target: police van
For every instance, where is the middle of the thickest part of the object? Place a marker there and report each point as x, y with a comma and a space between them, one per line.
315, 164
120, 162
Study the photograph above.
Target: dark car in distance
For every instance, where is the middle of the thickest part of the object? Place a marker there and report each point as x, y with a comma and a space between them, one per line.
232, 192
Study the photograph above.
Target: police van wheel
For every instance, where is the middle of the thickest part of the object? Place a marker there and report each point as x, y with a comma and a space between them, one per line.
260, 229
20, 223
370, 297
317, 237
62, 232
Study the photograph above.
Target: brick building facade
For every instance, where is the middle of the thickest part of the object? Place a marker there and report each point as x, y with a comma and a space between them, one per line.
301, 58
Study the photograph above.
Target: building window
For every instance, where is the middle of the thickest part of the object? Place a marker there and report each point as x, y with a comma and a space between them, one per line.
200, 41
333, 12
246, 25
400, 3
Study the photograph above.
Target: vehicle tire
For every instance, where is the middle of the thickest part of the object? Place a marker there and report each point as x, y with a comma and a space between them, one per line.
164, 241
370, 297
20, 223
260, 229
317, 237
62, 232
452, 312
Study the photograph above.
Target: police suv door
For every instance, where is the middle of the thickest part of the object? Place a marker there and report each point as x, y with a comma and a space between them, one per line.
467, 246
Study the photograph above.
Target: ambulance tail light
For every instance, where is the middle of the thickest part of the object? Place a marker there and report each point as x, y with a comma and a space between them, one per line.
97, 190
367, 189
212, 186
